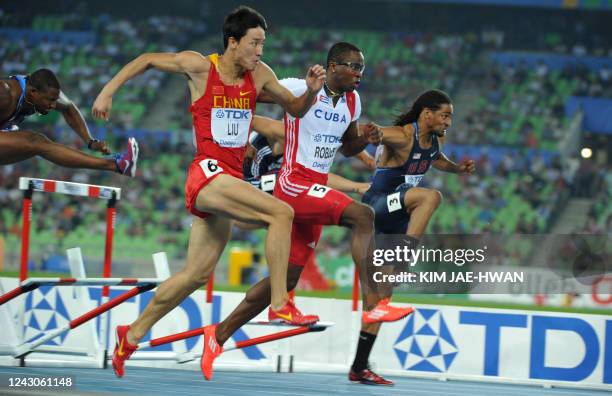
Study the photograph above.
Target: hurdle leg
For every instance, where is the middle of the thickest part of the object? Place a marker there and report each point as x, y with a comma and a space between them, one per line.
26, 348
77, 270
108, 253
25, 230
25, 241
162, 269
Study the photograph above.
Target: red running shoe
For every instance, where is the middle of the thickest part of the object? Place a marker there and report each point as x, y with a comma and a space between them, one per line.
289, 314
212, 350
123, 350
368, 377
383, 312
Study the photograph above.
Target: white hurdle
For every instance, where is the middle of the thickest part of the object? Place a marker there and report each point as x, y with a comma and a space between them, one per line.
111, 194
97, 349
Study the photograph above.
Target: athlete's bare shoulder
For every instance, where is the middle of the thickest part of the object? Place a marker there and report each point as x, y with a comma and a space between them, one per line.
5, 92
193, 62
6, 99
263, 72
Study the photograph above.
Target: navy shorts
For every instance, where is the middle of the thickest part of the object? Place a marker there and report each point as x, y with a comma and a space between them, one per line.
390, 215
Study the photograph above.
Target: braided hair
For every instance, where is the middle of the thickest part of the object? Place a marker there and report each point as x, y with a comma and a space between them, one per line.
432, 99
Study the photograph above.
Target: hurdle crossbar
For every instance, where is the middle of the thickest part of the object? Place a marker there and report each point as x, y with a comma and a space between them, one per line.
275, 336
26, 348
69, 188
29, 185
241, 344
34, 283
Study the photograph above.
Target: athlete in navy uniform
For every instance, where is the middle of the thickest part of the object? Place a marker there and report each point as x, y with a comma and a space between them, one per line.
409, 148
23, 96
263, 161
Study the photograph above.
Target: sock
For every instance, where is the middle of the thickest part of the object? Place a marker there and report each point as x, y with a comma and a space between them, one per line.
364, 347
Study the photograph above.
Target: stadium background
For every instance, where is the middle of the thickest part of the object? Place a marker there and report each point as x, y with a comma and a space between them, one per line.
531, 82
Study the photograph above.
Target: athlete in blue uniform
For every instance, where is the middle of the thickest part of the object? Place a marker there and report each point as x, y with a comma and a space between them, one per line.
263, 161
23, 96
409, 148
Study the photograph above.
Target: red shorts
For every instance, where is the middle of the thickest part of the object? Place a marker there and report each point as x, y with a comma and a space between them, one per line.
317, 206
201, 172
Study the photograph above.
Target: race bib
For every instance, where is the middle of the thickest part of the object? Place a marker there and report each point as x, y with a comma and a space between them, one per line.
230, 127
268, 182
393, 202
319, 152
210, 167
412, 180
318, 190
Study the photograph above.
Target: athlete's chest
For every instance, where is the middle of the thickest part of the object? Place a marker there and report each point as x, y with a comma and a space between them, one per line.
325, 118
419, 159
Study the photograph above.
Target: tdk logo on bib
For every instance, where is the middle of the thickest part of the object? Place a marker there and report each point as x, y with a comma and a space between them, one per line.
234, 114
329, 116
329, 139
230, 127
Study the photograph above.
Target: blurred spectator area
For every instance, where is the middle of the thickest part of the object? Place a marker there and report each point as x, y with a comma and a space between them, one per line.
514, 101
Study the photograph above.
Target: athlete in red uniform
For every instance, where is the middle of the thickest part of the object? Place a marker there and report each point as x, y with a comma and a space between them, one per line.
223, 91
311, 143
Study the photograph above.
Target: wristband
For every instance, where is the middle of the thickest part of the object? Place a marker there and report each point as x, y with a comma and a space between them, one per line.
91, 141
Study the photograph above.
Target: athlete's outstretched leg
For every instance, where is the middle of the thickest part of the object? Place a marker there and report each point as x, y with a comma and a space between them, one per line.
206, 243
360, 219
239, 200
21, 145
207, 240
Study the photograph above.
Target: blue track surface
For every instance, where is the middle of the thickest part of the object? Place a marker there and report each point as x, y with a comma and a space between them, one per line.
155, 381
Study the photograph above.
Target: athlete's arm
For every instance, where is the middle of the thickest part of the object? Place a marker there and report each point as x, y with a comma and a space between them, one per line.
296, 106
446, 165
278, 146
367, 159
340, 183
395, 137
186, 62
264, 97
250, 152
75, 120
356, 139
273, 130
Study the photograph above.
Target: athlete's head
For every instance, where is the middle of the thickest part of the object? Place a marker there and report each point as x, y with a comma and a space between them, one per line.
244, 33
345, 65
434, 108
43, 90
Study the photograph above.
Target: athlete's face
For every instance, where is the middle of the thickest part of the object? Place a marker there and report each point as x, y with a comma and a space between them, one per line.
347, 74
249, 49
440, 120
44, 101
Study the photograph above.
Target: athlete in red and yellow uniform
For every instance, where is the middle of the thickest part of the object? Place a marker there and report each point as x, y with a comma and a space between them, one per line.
223, 92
